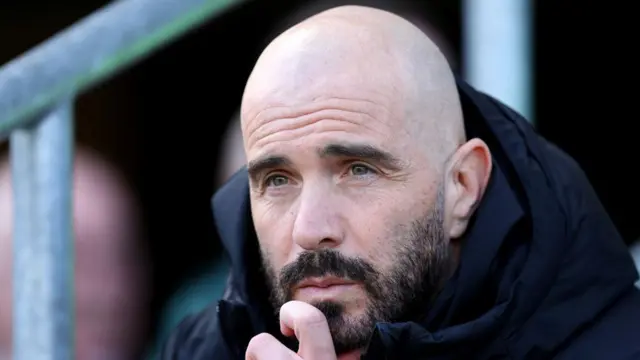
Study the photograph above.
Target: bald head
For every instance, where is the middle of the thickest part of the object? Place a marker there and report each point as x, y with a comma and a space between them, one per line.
109, 276
366, 52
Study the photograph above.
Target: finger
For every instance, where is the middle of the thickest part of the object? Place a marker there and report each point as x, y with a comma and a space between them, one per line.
310, 327
266, 347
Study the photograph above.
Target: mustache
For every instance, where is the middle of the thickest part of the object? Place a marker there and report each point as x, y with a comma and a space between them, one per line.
327, 262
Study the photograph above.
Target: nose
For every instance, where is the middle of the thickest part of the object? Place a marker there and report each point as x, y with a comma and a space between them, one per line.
317, 222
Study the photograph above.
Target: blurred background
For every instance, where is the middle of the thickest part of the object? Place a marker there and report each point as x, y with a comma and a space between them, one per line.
154, 142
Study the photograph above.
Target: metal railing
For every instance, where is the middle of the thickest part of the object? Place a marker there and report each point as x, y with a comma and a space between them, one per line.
37, 91
497, 41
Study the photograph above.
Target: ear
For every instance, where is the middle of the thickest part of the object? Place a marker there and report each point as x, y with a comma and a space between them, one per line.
467, 179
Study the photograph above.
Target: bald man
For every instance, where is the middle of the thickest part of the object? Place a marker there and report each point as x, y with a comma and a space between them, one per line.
388, 211
109, 273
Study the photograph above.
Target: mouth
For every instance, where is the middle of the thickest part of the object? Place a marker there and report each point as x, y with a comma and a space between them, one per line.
323, 289
323, 283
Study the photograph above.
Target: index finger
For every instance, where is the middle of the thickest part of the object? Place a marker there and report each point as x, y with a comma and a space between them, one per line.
264, 346
310, 327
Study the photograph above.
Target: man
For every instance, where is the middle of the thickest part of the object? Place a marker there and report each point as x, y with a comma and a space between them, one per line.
390, 212
110, 271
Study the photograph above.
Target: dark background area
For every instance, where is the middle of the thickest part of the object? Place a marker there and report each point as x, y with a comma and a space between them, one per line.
161, 121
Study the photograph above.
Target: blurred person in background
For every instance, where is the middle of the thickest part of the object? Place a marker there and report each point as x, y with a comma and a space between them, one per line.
110, 269
232, 156
390, 210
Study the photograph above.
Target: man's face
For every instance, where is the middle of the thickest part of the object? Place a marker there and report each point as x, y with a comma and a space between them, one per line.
348, 209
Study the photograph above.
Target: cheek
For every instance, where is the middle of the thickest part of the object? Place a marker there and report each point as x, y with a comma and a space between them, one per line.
273, 230
387, 232
372, 236
382, 251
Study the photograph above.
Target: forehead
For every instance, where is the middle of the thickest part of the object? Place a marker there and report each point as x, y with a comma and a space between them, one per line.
362, 103
324, 124
297, 89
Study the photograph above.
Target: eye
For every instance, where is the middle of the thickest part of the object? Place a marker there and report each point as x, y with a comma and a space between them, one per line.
361, 170
276, 181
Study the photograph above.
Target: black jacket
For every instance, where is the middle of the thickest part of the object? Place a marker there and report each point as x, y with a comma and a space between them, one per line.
543, 273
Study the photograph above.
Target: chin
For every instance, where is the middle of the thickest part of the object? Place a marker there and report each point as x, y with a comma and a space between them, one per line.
332, 310
344, 309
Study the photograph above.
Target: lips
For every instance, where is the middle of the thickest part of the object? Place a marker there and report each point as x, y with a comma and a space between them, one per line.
323, 283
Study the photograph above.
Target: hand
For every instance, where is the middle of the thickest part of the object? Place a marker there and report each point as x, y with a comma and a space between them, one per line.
307, 324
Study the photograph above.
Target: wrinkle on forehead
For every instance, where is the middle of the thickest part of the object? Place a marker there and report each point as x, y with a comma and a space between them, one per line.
371, 115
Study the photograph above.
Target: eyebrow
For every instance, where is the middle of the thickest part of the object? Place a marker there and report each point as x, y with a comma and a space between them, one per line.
361, 151
257, 166
355, 151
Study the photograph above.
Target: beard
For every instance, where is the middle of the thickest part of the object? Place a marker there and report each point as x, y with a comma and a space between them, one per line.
421, 263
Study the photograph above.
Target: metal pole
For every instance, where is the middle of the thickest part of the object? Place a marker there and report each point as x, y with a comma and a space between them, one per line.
92, 50
41, 164
498, 47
